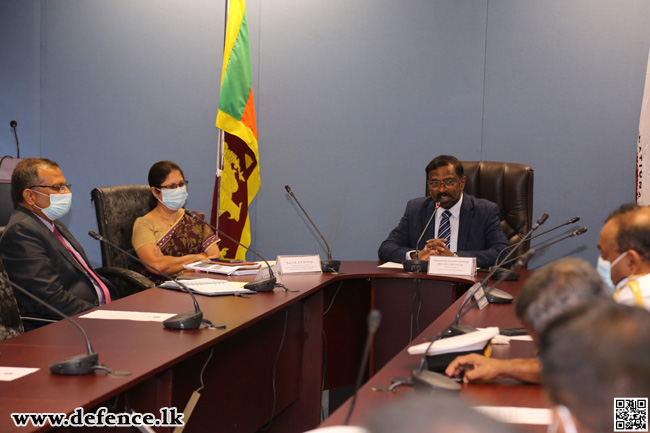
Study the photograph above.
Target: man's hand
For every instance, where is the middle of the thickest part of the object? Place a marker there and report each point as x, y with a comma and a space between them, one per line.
435, 247
475, 367
478, 367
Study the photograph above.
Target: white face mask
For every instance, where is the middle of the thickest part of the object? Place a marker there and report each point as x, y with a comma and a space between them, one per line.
605, 268
174, 199
59, 205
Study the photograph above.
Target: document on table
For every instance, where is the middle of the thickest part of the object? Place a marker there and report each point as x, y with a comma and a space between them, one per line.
391, 265
464, 342
138, 316
209, 287
7, 374
518, 415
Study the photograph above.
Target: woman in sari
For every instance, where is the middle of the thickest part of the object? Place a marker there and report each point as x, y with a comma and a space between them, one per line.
166, 238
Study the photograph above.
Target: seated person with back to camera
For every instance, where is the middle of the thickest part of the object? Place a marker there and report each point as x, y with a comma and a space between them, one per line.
624, 245
552, 291
464, 226
166, 237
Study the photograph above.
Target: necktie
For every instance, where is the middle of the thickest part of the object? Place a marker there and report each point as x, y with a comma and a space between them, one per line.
444, 231
96, 280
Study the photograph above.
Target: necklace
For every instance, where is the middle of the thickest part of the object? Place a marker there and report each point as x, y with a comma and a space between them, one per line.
165, 220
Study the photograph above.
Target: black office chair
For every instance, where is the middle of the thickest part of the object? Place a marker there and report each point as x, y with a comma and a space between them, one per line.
10, 322
117, 208
510, 186
7, 165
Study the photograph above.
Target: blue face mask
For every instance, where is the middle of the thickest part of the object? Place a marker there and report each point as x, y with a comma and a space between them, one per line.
59, 205
174, 199
605, 269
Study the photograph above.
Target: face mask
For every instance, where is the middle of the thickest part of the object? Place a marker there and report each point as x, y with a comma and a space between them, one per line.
174, 199
605, 268
59, 205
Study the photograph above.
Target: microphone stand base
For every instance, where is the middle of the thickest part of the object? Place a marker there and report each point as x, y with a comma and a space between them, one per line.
432, 381
189, 320
263, 285
330, 265
76, 365
416, 266
496, 296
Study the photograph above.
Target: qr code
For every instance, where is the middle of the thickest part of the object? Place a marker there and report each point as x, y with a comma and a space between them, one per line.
630, 414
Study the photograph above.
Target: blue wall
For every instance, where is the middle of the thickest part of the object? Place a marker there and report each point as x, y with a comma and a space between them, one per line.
353, 99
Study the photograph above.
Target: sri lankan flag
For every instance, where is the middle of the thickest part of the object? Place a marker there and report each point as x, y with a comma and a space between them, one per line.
240, 178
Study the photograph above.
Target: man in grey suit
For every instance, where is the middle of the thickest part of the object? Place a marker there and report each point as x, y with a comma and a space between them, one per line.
38, 251
464, 226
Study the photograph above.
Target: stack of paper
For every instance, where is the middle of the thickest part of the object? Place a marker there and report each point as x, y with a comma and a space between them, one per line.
208, 287
460, 343
224, 269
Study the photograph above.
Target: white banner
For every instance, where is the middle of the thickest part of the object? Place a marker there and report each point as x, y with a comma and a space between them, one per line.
643, 146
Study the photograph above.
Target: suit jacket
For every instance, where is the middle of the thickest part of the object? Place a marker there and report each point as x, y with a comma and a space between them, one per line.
37, 260
479, 231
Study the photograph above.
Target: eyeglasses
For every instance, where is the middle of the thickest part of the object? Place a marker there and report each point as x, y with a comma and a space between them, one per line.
448, 183
57, 188
180, 184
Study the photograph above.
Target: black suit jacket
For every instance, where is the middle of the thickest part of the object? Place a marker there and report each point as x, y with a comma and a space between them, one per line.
479, 231
37, 260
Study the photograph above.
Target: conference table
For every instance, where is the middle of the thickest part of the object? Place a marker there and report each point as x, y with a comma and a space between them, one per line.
501, 393
266, 369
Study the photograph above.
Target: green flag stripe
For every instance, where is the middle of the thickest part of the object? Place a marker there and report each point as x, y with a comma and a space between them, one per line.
237, 80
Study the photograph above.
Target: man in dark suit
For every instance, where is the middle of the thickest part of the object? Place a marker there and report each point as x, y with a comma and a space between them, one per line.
39, 253
464, 226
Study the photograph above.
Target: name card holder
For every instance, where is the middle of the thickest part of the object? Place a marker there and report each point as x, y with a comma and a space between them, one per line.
442, 265
298, 264
479, 295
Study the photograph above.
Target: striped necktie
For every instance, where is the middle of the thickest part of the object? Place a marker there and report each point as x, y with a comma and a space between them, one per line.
444, 231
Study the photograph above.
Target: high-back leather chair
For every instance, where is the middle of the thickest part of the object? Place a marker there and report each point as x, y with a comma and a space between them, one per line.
510, 186
7, 165
117, 208
10, 322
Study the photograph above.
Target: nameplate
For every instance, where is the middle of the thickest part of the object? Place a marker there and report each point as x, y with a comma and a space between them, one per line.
479, 295
298, 264
441, 265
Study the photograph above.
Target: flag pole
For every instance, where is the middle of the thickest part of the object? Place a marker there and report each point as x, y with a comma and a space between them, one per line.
220, 138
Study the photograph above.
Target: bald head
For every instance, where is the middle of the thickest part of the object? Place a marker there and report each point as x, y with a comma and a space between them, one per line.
625, 241
634, 232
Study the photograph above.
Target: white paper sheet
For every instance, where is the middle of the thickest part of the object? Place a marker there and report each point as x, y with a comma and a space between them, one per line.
7, 374
391, 265
518, 415
127, 315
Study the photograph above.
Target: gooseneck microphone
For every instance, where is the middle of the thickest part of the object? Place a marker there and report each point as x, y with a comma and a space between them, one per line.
75, 365
328, 265
374, 319
523, 258
433, 380
566, 223
13, 124
495, 295
261, 285
188, 320
416, 265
